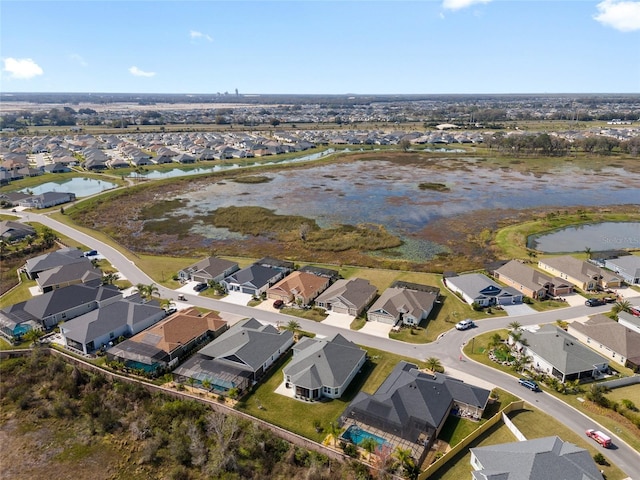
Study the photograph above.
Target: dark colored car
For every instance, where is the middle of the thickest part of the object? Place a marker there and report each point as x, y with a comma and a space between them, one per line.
530, 384
200, 287
278, 304
90, 253
594, 302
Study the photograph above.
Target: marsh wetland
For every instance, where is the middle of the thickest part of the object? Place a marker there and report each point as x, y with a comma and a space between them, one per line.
353, 207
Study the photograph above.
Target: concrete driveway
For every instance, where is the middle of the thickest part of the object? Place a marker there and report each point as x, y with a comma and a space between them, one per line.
520, 309
340, 320
377, 329
237, 298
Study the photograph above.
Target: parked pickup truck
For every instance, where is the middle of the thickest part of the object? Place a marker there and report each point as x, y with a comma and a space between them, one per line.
599, 437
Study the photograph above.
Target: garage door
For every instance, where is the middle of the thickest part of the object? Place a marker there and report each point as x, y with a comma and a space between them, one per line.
250, 291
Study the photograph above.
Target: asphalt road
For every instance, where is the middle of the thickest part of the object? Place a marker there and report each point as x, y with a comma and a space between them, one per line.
447, 348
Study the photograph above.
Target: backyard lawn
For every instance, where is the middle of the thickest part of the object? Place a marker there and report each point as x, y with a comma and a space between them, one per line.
300, 417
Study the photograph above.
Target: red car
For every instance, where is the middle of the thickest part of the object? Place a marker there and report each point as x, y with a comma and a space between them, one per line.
278, 304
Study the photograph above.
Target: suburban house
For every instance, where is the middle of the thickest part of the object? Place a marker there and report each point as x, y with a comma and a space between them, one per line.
627, 268
99, 327
163, 345
630, 321
332, 275
481, 290
583, 275
538, 459
323, 367
65, 275
11, 231
402, 305
413, 405
610, 338
282, 265
47, 199
555, 352
299, 287
531, 282
64, 256
254, 279
238, 358
347, 296
47, 310
210, 269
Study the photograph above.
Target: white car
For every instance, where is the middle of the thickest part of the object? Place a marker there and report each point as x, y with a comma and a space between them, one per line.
465, 324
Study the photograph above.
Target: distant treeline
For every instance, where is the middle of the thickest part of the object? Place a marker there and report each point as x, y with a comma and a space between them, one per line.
551, 145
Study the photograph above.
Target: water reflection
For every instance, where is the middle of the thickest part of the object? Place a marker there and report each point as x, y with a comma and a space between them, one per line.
597, 237
80, 186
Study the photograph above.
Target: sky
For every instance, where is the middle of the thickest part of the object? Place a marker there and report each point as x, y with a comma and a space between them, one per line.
321, 47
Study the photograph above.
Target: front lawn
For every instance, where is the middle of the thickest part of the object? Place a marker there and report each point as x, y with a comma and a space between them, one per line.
315, 314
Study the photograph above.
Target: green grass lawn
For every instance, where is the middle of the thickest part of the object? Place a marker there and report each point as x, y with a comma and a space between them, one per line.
631, 392
299, 417
611, 420
315, 314
534, 424
18, 294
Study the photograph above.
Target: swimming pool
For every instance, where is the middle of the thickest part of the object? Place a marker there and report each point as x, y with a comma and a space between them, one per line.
356, 435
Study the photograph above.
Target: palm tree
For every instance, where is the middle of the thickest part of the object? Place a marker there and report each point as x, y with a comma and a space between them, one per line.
33, 336
167, 304
496, 340
152, 290
403, 455
369, 444
587, 251
515, 325
206, 384
293, 326
622, 306
434, 364
335, 431
109, 278
141, 288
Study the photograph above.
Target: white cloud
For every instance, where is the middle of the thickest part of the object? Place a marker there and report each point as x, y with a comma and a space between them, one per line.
22, 68
136, 72
460, 4
622, 15
78, 58
195, 35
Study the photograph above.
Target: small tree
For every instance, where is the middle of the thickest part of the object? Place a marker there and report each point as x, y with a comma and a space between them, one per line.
434, 364
369, 445
33, 336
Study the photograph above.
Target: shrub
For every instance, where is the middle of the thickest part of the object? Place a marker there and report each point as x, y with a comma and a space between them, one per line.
599, 459
628, 404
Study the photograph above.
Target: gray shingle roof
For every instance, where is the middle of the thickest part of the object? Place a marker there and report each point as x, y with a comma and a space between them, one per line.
83, 271
562, 350
64, 256
539, 459
323, 362
395, 301
58, 301
248, 343
254, 275
354, 292
109, 318
410, 401
611, 334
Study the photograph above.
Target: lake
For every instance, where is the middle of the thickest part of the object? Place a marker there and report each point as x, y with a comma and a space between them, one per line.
80, 186
597, 236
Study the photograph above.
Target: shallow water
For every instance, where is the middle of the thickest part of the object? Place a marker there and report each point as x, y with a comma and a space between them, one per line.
597, 237
387, 193
80, 186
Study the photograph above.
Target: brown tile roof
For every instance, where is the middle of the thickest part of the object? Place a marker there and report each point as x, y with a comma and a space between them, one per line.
301, 283
179, 329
